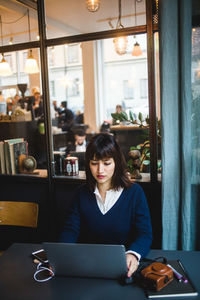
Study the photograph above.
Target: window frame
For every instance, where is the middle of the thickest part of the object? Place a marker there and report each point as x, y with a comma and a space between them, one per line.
43, 43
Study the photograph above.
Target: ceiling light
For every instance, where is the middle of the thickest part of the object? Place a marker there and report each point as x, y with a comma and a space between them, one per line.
120, 42
137, 51
5, 69
31, 65
11, 41
93, 5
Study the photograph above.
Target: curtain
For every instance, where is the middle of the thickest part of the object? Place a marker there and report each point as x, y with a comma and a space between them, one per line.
180, 153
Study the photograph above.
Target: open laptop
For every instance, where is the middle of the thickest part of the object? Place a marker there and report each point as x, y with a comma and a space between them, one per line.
87, 260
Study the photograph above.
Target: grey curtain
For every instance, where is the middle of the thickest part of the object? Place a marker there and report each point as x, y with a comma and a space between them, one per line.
180, 154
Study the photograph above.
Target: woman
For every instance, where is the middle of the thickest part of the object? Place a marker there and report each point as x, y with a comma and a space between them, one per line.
110, 209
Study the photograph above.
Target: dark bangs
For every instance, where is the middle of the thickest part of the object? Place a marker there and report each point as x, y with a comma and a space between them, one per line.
101, 146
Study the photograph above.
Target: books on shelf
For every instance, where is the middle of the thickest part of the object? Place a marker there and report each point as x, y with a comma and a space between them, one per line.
176, 288
2, 159
9, 153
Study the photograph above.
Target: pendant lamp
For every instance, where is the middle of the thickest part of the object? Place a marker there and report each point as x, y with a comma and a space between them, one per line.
93, 5
122, 41
137, 51
31, 66
5, 69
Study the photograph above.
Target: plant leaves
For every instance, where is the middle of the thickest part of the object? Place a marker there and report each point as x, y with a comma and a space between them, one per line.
140, 117
133, 148
131, 116
124, 116
146, 162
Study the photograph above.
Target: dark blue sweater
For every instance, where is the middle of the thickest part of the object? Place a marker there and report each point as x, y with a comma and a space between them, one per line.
127, 222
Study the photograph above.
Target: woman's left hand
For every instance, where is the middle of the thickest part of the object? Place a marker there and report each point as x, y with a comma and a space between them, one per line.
132, 263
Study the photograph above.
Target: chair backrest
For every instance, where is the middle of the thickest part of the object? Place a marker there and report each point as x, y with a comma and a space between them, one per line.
19, 213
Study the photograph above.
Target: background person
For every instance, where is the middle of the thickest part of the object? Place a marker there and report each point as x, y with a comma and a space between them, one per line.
109, 209
66, 117
79, 142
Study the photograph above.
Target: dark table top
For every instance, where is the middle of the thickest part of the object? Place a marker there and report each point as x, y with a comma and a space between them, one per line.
17, 282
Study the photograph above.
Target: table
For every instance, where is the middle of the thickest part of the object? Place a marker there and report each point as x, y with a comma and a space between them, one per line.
17, 283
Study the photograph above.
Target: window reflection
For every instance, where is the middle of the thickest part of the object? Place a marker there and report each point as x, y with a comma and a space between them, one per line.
92, 80
22, 114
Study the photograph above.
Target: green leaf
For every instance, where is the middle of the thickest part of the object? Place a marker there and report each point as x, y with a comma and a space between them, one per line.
140, 117
124, 115
138, 147
133, 148
114, 116
146, 162
131, 115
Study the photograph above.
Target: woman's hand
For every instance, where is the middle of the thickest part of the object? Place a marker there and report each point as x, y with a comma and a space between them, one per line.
132, 263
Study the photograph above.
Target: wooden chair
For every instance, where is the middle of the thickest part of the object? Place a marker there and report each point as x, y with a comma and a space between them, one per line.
18, 213
24, 214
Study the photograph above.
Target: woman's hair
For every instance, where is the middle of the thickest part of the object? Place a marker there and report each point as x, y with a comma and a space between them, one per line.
101, 146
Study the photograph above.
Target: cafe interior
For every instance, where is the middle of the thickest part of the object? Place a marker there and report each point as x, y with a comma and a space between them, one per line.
85, 58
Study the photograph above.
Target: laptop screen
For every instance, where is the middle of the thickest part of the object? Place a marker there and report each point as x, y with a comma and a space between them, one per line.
87, 260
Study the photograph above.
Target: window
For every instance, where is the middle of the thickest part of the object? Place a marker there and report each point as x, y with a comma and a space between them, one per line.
143, 88
66, 79
128, 89
123, 75
73, 54
52, 88
51, 56
74, 88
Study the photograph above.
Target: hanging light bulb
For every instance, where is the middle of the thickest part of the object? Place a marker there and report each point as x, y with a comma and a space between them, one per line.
93, 5
11, 41
122, 41
31, 65
5, 67
120, 44
137, 51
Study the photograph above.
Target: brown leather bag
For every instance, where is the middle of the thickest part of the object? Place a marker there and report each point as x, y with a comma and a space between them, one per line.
156, 276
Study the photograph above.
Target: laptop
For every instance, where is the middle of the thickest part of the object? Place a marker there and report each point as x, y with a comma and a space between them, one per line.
87, 260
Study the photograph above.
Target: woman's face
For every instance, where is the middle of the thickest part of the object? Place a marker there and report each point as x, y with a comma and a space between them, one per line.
102, 170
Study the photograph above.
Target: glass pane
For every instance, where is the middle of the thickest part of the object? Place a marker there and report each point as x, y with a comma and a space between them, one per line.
66, 18
126, 78
126, 89
109, 79
17, 27
66, 97
21, 115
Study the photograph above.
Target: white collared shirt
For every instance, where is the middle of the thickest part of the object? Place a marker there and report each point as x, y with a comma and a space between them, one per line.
111, 198
81, 148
